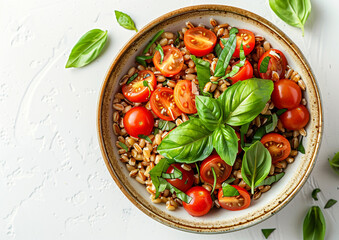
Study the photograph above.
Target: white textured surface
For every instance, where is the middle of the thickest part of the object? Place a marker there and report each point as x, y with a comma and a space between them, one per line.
54, 183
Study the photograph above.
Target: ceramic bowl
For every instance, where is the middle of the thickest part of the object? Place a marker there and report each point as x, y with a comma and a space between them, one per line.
217, 220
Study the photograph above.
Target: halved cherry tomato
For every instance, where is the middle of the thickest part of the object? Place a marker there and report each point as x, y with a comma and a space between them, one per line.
163, 104
247, 39
201, 202
186, 180
221, 168
245, 72
172, 63
184, 97
136, 91
138, 121
286, 94
199, 41
235, 203
276, 63
278, 146
296, 118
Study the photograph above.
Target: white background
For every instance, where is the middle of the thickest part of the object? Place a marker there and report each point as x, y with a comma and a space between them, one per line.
53, 180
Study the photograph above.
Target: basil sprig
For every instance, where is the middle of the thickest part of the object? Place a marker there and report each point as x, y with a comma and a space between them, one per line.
203, 73
125, 20
314, 226
87, 48
256, 165
194, 139
161, 51
292, 12
334, 162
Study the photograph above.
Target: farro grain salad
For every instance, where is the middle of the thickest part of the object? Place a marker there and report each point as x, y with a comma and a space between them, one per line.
209, 117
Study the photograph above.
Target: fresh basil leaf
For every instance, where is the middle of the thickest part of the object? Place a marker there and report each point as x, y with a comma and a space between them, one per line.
156, 173
142, 60
228, 190
190, 142
214, 180
243, 101
292, 12
236, 67
267, 232
209, 111
269, 127
177, 40
243, 131
193, 116
218, 50
203, 73
156, 36
181, 195
256, 165
225, 142
166, 125
125, 21
226, 55
176, 174
156, 131
271, 179
259, 133
145, 137
314, 193
314, 227
264, 64
87, 48
134, 76
301, 146
233, 31
330, 203
281, 111
334, 163
123, 145
161, 51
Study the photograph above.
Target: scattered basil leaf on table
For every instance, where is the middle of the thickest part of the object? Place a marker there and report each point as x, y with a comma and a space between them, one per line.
123, 145
214, 180
125, 21
87, 48
203, 73
166, 125
271, 179
330, 203
209, 111
156, 36
256, 165
175, 174
314, 227
334, 163
145, 137
228, 190
142, 60
292, 12
314, 193
161, 51
264, 64
267, 232
134, 76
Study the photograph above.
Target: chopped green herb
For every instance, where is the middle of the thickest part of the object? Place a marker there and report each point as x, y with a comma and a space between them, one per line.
161, 51
175, 174
166, 125
243, 131
165, 83
142, 60
203, 73
267, 232
269, 127
145, 137
301, 147
181, 195
271, 179
125, 21
217, 50
156, 36
314, 193
156, 131
197, 167
145, 83
123, 145
134, 76
264, 64
215, 180
248, 46
330, 203
228, 190
177, 40
236, 67
281, 111
156, 173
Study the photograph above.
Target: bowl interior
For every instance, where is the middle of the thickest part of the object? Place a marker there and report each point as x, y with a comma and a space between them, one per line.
216, 221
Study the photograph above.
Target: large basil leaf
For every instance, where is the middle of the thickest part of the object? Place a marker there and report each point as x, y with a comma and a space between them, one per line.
243, 101
314, 227
256, 165
190, 142
334, 163
157, 171
203, 73
209, 111
225, 142
292, 12
125, 21
87, 48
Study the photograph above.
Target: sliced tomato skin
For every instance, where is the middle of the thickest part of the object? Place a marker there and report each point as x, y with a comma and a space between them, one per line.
248, 45
276, 64
286, 94
163, 98
131, 91
203, 49
185, 182
184, 98
245, 72
201, 202
167, 67
296, 118
138, 121
224, 200
278, 153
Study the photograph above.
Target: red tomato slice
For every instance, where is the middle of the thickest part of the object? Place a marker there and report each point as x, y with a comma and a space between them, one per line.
138, 121
136, 91
248, 41
276, 63
286, 94
235, 203
199, 41
186, 180
184, 97
296, 118
163, 104
172, 63
278, 146
201, 202
245, 72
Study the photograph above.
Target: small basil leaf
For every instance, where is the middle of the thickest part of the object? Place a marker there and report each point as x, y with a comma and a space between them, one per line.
156, 36
166, 125
209, 111
281, 111
181, 195
156, 131
214, 180
145, 137
218, 50
161, 51
229, 180
259, 133
236, 67
314, 226
314, 193
269, 127
87, 48
142, 60
190, 142
271, 179
225, 142
264, 64
243, 131
256, 165
123, 145
243, 101
156, 173
203, 73
125, 21
176, 174
301, 146
292, 12
177, 40
229, 191
267, 232
334, 163
134, 76
330, 203
233, 31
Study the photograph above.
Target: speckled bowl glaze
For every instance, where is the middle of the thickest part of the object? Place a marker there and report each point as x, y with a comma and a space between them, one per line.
217, 220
